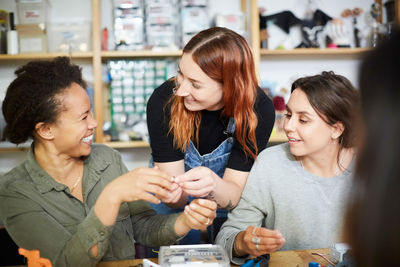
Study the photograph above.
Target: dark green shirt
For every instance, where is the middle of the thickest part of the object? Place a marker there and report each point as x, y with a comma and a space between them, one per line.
40, 213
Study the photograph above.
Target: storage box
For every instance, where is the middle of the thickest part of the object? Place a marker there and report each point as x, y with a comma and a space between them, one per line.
69, 36
32, 11
193, 255
32, 38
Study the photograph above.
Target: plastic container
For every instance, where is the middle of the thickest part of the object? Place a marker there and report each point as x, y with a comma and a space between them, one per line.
195, 255
72, 35
32, 11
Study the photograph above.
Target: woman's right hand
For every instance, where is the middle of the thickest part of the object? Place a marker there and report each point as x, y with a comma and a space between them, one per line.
147, 184
174, 195
257, 241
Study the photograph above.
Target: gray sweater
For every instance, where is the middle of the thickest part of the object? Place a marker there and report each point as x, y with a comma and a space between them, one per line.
279, 194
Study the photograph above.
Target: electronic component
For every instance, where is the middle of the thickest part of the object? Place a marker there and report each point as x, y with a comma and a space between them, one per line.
206, 255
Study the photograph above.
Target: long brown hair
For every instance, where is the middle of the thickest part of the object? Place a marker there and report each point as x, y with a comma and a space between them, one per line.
226, 58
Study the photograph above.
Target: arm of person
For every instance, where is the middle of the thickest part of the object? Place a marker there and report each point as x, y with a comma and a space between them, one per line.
254, 208
32, 227
156, 230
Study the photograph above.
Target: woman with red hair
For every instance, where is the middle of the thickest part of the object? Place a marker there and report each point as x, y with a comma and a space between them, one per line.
209, 122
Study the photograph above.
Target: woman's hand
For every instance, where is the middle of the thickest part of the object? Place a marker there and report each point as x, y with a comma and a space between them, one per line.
141, 184
174, 194
257, 241
138, 184
198, 182
199, 214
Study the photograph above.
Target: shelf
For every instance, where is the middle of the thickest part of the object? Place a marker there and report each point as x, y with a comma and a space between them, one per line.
10, 147
74, 55
132, 144
140, 54
316, 52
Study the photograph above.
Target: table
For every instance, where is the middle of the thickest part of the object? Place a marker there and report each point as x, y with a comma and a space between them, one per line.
288, 258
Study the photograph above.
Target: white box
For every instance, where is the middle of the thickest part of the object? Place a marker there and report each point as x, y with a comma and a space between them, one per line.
32, 11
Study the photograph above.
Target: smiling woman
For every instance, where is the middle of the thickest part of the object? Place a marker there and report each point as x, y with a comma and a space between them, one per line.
215, 120
296, 192
74, 201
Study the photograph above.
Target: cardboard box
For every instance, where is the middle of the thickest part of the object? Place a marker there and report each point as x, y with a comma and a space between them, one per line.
32, 38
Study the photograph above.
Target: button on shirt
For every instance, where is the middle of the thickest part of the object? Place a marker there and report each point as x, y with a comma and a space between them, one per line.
40, 213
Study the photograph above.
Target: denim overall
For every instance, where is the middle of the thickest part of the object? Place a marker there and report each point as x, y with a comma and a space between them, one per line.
216, 161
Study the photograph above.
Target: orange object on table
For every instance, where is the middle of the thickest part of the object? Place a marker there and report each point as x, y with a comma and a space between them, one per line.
34, 259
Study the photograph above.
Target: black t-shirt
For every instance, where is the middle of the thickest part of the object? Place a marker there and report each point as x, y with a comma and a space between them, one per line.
211, 132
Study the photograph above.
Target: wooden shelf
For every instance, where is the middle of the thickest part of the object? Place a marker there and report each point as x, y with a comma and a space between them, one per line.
316, 52
132, 144
10, 147
140, 54
76, 55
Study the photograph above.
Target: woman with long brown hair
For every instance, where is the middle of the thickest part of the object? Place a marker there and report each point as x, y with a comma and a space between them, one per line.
295, 196
210, 121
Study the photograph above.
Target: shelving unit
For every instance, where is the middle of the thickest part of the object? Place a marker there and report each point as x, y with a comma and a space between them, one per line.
76, 55
98, 57
316, 52
141, 54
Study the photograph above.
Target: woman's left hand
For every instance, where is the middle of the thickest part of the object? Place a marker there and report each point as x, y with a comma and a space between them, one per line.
198, 182
200, 213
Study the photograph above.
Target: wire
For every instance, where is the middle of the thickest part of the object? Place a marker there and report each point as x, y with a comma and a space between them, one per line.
324, 257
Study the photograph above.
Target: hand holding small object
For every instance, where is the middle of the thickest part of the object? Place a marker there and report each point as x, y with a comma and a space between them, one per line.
258, 241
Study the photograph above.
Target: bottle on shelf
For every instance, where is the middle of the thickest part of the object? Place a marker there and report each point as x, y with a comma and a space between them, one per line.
12, 37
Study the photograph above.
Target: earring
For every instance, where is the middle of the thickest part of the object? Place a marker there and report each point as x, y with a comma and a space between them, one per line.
334, 141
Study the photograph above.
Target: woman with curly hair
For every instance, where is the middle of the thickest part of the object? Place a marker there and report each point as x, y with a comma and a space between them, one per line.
74, 201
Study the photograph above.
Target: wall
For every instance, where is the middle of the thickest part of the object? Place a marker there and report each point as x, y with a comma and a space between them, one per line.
281, 70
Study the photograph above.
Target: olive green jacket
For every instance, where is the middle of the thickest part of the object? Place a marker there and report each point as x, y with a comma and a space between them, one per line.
40, 213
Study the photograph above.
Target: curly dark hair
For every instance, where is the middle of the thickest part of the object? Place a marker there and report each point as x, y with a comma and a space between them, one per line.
31, 97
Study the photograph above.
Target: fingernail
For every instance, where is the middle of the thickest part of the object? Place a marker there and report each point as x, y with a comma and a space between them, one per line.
202, 201
193, 206
172, 178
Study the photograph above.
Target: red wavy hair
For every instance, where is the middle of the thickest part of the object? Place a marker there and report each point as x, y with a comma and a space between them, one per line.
226, 58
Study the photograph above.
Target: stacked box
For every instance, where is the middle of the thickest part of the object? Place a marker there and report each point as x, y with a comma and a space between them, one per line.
72, 35
129, 24
235, 22
32, 17
132, 83
162, 23
194, 18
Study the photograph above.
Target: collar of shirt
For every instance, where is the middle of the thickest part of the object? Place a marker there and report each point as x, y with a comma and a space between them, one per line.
94, 165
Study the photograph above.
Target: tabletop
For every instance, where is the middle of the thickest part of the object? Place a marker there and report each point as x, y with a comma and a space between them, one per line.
288, 258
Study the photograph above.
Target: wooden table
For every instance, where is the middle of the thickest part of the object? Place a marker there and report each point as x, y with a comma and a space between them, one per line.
289, 258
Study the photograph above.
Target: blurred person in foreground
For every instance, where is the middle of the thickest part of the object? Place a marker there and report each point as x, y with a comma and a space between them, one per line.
372, 227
